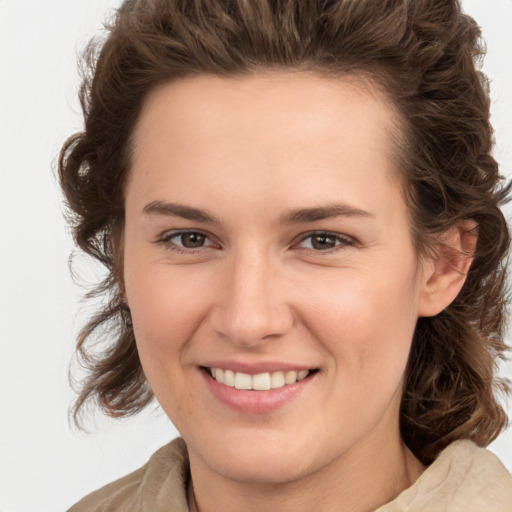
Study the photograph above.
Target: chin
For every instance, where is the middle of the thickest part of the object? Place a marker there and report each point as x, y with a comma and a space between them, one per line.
262, 470
265, 458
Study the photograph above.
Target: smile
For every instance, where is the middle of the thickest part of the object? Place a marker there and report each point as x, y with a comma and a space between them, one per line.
259, 382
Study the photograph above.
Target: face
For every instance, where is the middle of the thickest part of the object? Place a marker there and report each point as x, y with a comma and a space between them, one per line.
267, 247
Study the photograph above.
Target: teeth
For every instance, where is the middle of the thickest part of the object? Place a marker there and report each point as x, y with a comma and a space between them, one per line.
277, 380
259, 382
302, 374
290, 377
243, 381
229, 378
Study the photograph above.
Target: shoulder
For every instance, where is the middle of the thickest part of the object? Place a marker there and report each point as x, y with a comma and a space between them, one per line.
476, 477
157, 484
464, 477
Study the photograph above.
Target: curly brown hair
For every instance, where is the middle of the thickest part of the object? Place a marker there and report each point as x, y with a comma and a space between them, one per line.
424, 54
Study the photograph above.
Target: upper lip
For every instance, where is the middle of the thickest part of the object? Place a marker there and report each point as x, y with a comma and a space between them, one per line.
254, 368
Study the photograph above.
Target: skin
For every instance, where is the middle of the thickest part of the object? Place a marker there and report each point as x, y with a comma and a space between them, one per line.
260, 287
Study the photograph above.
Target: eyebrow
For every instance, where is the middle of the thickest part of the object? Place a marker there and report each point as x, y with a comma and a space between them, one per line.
327, 212
180, 210
297, 216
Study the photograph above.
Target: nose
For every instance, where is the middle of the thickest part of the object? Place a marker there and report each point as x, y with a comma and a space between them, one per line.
252, 306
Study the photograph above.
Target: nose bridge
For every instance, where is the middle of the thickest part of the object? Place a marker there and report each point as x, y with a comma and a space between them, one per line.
253, 306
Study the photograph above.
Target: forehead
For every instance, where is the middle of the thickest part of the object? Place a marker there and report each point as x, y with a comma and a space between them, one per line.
259, 133
267, 104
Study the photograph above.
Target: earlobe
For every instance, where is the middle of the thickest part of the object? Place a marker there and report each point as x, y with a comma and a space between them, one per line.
444, 273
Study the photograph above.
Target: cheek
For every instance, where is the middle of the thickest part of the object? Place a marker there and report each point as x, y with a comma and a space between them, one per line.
166, 310
366, 322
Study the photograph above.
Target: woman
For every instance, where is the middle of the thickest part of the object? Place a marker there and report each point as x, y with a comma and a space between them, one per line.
299, 213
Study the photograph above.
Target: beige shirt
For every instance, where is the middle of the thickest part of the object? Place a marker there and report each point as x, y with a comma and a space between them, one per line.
464, 478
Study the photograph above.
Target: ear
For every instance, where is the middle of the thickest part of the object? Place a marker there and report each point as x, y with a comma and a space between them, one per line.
444, 272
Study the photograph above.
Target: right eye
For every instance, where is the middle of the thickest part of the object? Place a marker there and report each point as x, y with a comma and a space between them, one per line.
183, 241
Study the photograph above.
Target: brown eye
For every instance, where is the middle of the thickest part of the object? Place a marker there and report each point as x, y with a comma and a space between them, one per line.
185, 240
192, 240
324, 241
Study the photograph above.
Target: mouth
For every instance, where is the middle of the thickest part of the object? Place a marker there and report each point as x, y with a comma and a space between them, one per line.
259, 382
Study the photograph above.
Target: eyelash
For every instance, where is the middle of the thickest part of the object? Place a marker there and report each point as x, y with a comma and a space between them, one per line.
340, 241
167, 240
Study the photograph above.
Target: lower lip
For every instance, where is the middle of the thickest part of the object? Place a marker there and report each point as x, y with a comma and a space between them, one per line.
255, 402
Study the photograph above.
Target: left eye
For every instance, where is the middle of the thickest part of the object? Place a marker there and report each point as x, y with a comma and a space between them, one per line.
323, 241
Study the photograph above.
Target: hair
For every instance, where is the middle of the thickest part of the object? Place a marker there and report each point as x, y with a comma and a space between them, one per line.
425, 55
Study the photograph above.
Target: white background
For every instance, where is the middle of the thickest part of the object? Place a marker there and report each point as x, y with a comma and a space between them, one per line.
44, 464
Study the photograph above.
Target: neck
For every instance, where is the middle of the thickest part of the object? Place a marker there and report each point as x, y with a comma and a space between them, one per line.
355, 483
